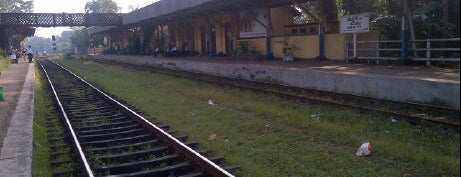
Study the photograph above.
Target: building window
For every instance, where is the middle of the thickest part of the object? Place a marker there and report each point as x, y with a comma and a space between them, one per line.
246, 25
303, 31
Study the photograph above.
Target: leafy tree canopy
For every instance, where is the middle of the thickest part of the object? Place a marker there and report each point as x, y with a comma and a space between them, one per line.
41, 44
80, 39
101, 6
431, 18
16, 6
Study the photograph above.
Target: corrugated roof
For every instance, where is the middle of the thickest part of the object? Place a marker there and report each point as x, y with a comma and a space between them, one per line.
166, 10
161, 8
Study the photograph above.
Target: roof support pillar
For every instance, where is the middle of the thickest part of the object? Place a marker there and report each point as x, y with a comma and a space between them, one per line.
269, 29
322, 31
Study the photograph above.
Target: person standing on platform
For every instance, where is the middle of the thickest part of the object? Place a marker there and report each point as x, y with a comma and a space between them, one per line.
18, 54
156, 51
13, 57
30, 54
174, 50
23, 51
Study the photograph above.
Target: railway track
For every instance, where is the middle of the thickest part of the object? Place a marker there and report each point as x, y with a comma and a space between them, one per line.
415, 113
94, 134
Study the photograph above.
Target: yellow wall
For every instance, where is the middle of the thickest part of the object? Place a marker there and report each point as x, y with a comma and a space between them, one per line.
218, 21
198, 35
335, 46
307, 43
185, 34
304, 49
280, 17
220, 36
307, 46
309, 29
257, 44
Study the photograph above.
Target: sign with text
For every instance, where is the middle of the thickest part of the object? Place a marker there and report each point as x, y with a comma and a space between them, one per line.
359, 23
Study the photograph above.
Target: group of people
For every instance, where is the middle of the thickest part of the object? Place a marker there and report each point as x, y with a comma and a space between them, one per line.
172, 51
16, 54
169, 51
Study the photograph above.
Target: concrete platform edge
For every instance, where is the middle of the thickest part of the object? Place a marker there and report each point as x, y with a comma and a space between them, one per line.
378, 86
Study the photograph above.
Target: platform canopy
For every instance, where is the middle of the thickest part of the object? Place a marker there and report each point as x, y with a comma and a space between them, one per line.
166, 10
178, 10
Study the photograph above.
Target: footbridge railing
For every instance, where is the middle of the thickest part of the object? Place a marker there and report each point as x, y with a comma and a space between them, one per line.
60, 19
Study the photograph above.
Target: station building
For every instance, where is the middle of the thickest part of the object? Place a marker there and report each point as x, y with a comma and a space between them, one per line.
251, 29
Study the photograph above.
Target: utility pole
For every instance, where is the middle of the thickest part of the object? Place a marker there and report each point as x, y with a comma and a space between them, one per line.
404, 54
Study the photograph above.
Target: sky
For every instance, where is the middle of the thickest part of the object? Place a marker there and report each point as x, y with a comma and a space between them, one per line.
75, 6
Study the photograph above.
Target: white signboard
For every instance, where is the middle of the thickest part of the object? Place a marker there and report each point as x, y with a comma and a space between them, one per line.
359, 23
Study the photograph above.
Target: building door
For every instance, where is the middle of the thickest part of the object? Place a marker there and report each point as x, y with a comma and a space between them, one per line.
203, 40
191, 39
213, 40
229, 39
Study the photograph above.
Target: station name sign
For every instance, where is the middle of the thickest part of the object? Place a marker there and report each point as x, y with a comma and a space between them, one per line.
359, 23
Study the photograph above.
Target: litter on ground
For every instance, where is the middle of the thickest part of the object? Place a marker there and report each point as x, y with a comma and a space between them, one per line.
364, 150
315, 116
210, 102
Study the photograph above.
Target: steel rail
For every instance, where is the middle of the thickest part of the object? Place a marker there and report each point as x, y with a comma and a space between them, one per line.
83, 160
202, 161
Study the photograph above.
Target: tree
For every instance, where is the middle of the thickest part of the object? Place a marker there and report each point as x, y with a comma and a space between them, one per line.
133, 8
430, 17
63, 43
39, 44
16, 6
311, 10
80, 39
382, 7
101, 6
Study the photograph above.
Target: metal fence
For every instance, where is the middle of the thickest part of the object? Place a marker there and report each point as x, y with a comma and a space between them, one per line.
428, 50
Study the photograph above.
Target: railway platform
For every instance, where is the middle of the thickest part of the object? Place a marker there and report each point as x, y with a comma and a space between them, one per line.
16, 120
401, 83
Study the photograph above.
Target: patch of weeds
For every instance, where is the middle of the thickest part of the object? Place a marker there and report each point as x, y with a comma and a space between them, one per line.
269, 79
438, 102
4, 62
41, 153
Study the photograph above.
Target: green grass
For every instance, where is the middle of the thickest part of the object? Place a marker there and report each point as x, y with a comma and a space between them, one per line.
4, 63
272, 137
41, 151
